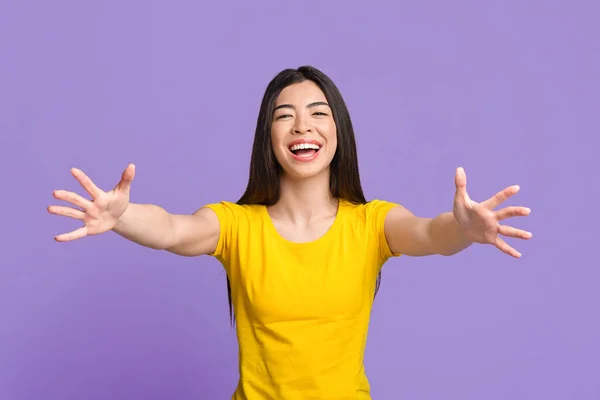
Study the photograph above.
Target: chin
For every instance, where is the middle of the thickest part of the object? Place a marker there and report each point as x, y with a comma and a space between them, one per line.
304, 172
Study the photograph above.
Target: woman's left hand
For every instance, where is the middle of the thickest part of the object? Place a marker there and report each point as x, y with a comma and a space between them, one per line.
479, 220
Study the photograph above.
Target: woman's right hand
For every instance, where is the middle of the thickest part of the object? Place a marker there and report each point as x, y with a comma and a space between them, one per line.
99, 215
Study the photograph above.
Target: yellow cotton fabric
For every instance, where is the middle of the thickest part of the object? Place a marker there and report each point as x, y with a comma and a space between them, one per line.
302, 309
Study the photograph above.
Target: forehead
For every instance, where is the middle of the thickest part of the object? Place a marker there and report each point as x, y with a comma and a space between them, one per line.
301, 93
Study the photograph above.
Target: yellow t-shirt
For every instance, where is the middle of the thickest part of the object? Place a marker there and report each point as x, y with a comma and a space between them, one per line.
302, 309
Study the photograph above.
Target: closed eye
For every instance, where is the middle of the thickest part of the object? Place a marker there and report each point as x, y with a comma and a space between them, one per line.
283, 116
320, 113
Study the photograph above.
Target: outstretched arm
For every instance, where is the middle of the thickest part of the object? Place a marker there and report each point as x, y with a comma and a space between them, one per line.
186, 235
452, 232
145, 224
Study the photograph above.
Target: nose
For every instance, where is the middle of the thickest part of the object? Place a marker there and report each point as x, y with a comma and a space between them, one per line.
301, 126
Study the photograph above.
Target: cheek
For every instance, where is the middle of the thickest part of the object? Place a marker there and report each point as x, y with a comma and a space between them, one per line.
276, 137
277, 143
331, 148
331, 136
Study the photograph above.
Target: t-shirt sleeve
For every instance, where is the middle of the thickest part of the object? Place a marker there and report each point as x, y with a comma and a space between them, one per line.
377, 211
228, 215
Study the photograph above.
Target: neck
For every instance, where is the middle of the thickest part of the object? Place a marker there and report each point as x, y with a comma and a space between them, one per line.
303, 200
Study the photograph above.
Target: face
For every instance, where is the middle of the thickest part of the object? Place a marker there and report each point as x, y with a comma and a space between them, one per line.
303, 132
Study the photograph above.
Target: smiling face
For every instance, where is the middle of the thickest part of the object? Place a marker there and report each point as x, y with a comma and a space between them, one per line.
303, 132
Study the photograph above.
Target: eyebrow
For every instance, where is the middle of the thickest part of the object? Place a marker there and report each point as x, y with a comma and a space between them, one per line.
314, 104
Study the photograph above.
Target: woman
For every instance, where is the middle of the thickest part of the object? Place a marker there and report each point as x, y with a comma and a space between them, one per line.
302, 248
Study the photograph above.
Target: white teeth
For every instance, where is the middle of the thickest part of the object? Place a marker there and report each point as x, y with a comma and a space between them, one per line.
305, 146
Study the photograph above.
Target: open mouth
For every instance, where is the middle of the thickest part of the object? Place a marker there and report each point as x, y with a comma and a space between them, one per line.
305, 150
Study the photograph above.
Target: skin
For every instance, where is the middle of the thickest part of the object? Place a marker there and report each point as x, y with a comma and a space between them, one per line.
306, 208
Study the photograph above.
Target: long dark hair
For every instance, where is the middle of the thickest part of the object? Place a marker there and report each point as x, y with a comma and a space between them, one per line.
263, 182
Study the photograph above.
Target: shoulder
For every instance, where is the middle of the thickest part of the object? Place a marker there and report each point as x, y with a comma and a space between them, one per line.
370, 218
370, 210
227, 210
234, 220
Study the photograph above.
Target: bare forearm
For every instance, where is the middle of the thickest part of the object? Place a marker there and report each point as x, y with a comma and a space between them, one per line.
147, 225
447, 236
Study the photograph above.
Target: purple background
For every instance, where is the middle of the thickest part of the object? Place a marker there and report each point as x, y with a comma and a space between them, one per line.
509, 91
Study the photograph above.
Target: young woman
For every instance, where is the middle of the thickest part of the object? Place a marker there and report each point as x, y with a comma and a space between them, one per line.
302, 248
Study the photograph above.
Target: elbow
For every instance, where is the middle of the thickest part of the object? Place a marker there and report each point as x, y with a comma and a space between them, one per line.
446, 253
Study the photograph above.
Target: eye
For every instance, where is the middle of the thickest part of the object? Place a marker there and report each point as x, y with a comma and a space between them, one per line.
283, 116
320, 113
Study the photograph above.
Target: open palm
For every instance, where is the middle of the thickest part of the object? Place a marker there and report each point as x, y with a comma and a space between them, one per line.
479, 220
101, 213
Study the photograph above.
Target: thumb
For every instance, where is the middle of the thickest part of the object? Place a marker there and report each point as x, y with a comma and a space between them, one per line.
124, 184
460, 180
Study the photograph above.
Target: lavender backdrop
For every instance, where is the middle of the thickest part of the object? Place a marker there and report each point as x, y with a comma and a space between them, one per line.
509, 91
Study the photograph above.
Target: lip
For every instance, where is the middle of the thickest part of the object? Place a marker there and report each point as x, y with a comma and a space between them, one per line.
302, 141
